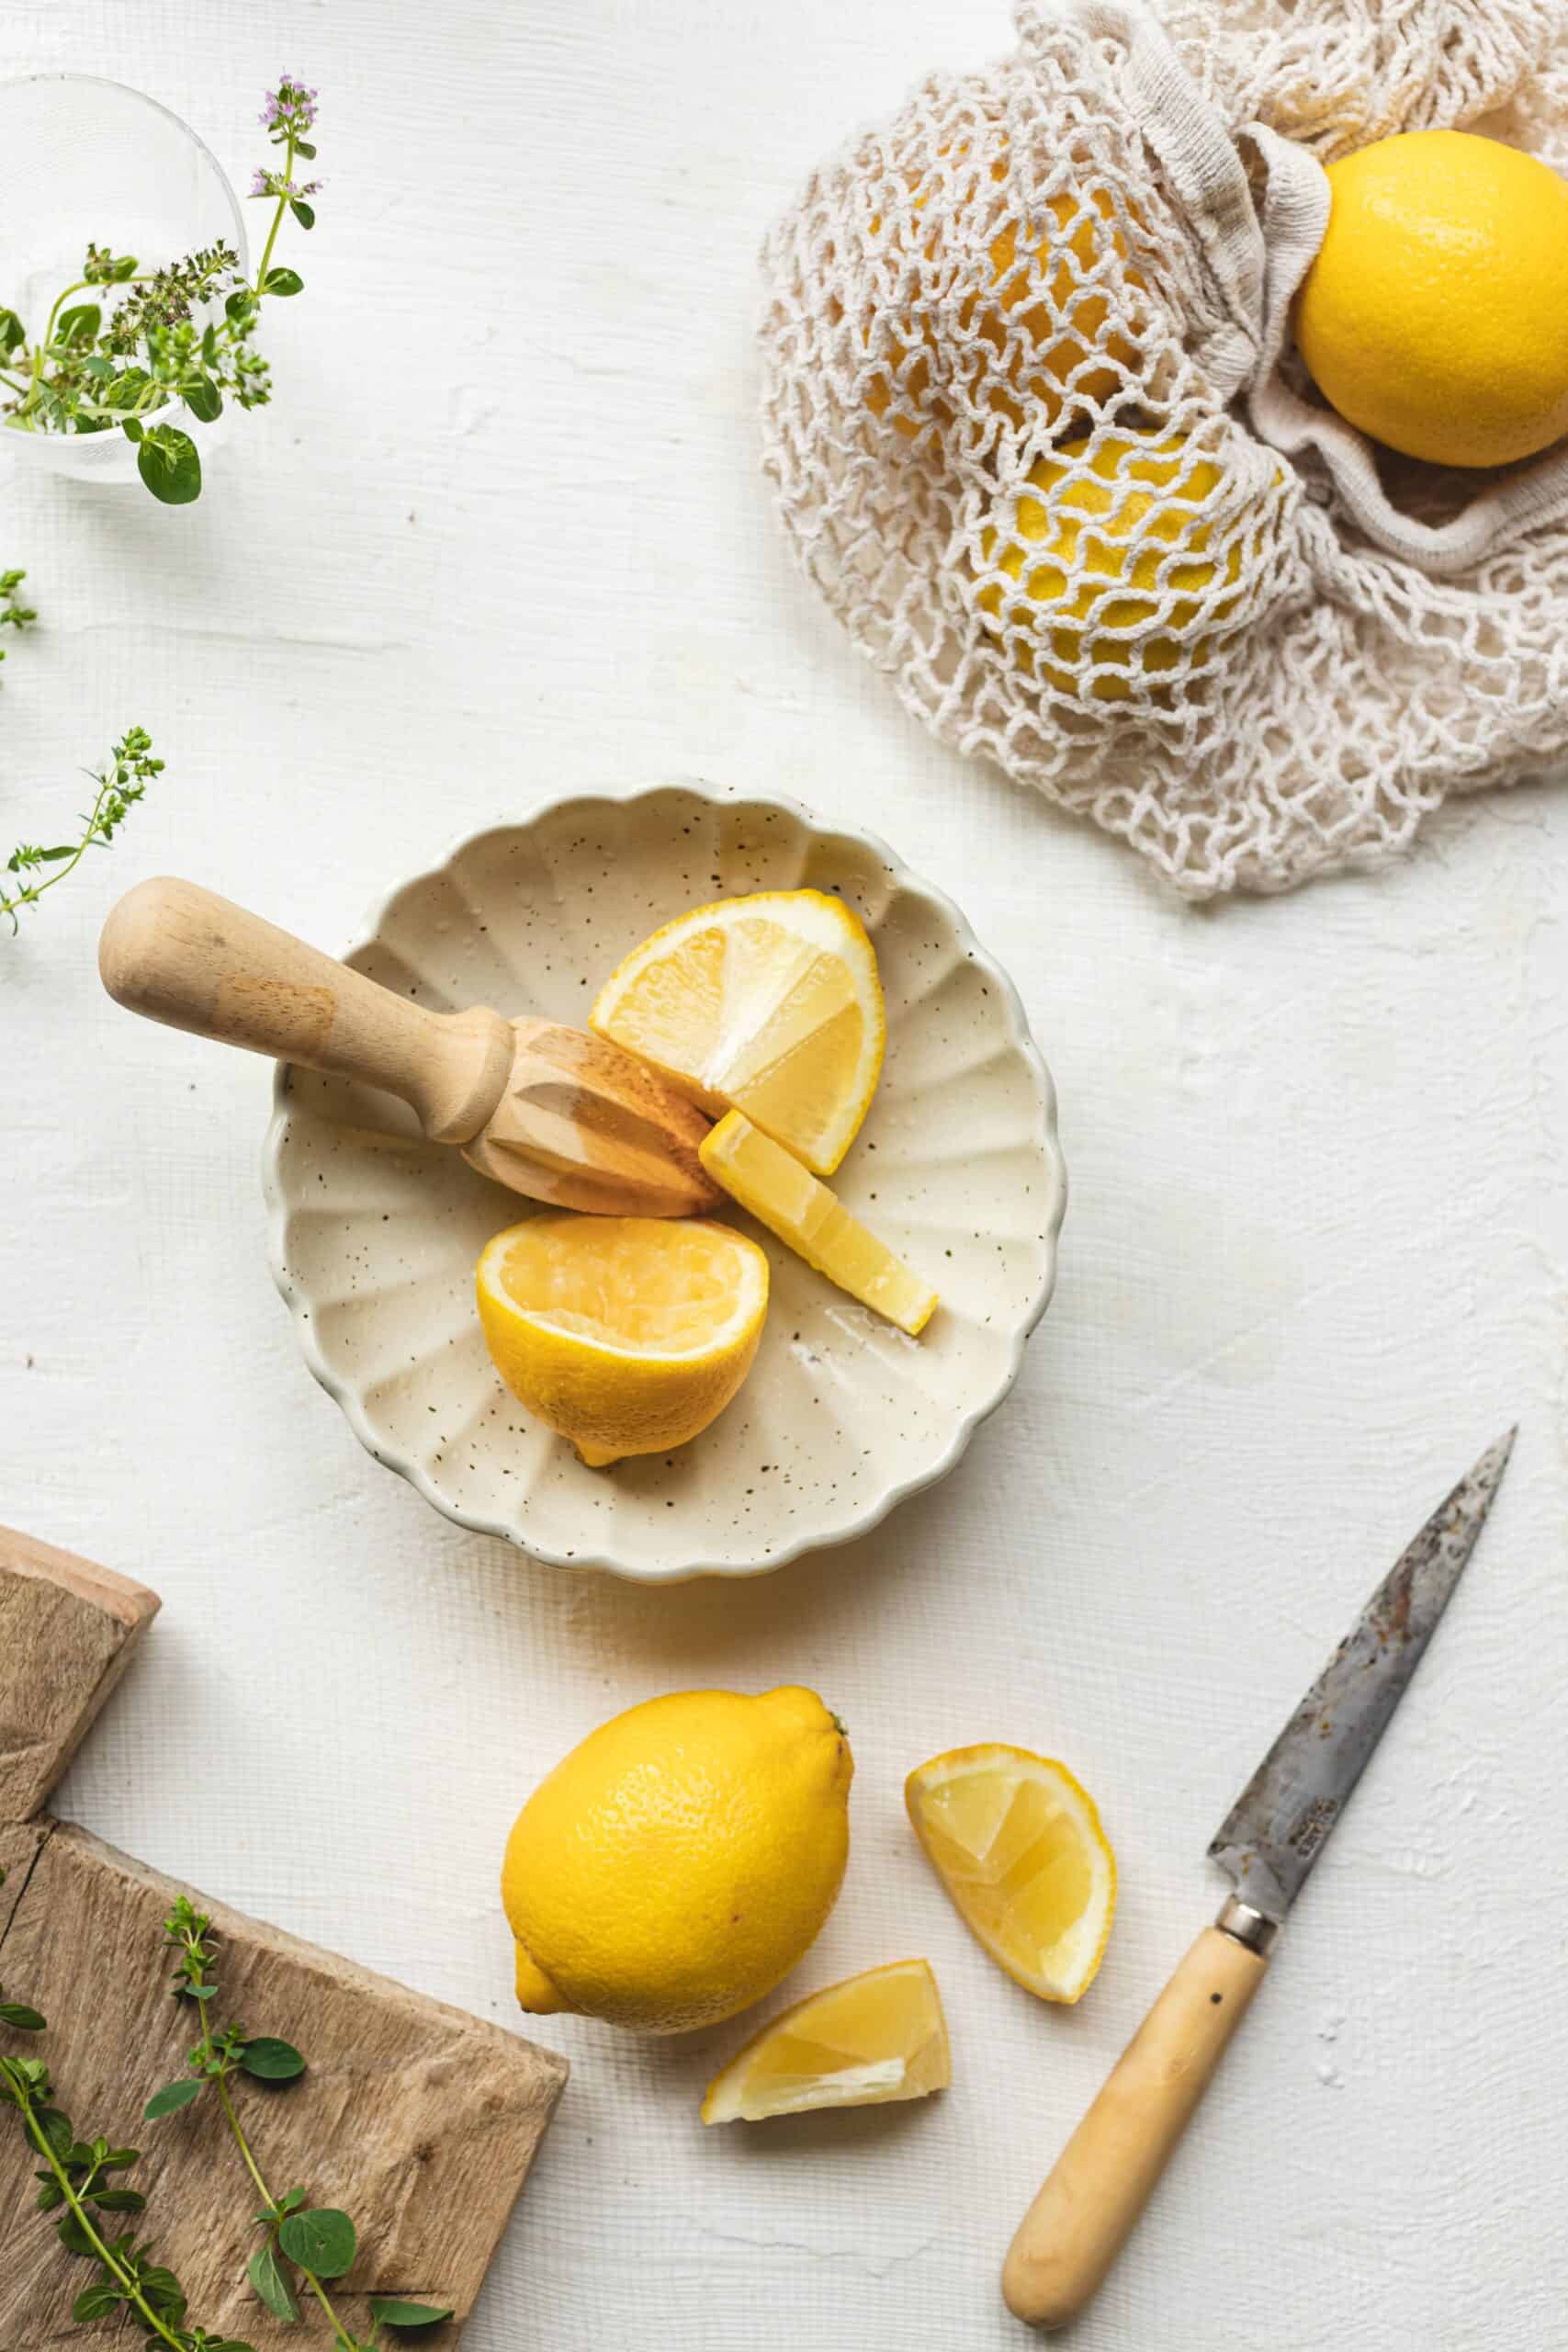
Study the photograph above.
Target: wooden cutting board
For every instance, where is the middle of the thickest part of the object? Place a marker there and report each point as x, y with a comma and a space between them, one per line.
419, 2121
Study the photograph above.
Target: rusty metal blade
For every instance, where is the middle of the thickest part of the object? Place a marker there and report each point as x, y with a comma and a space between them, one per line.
1276, 1827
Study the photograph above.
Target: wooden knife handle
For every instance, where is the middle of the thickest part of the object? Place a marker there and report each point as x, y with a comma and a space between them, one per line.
181, 955
1104, 2177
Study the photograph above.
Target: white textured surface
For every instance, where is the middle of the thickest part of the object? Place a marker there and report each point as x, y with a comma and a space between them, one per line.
1317, 1255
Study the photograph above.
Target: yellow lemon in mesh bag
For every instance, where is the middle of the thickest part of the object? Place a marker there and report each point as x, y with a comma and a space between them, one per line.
1105, 558
679, 1863
1436, 314
1044, 320
625, 1334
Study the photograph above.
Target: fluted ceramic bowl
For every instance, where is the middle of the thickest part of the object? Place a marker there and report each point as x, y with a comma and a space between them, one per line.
375, 1233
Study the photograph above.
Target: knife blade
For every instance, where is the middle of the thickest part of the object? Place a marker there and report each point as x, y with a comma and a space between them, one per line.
1267, 1846
1278, 1826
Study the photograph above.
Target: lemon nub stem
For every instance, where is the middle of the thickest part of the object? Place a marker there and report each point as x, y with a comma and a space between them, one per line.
536, 1992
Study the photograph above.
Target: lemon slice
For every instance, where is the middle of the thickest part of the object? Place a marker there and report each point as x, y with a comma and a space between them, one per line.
1018, 1845
765, 1179
877, 2037
625, 1334
768, 1004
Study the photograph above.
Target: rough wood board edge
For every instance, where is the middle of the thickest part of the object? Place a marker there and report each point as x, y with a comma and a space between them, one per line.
485, 2098
24, 1555
32, 1769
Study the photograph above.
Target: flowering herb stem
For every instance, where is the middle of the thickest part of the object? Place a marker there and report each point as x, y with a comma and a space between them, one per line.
121, 781
180, 334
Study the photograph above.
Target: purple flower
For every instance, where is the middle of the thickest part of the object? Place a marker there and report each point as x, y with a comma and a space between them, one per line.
290, 110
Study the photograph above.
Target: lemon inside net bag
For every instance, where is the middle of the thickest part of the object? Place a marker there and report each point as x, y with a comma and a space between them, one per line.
1040, 437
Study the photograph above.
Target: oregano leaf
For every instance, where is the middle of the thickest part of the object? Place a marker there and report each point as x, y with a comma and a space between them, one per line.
320, 2239
97, 2302
270, 2060
169, 465
271, 2282
395, 2311
283, 281
171, 2096
21, 2017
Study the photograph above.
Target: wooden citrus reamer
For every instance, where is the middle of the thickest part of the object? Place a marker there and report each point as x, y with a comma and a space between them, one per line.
552, 1111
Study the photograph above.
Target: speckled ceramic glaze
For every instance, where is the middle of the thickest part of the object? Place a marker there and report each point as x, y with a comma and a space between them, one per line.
374, 1233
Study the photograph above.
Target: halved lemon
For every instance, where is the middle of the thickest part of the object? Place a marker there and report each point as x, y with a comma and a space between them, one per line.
1018, 1844
625, 1334
768, 1004
789, 1200
873, 2038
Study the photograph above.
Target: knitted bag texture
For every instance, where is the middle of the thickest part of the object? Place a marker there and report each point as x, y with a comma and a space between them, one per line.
1039, 436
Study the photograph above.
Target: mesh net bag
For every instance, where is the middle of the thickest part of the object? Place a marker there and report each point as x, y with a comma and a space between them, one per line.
1039, 436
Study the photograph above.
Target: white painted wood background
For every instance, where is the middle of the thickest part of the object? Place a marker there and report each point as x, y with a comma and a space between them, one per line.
503, 533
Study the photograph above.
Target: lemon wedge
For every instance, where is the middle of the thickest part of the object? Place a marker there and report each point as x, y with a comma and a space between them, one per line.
768, 1004
625, 1334
874, 2038
1017, 1843
789, 1200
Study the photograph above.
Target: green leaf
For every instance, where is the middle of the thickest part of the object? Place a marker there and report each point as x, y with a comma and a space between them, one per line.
271, 2061
238, 304
100, 370
303, 147
79, 325
49, 2196
13, 333
169, 465
271, 2282
304, 213
21, 2017
56, 2127
203, 399
131, 428
73, 2236
392, 2311
118, 2201
97, 2302
117, 2159
171, 2096
320, 2239
282, 281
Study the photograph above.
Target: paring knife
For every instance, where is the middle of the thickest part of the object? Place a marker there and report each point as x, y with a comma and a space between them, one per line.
1084, 2215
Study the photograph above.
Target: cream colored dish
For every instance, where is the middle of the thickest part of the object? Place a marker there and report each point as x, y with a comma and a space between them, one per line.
374, 1233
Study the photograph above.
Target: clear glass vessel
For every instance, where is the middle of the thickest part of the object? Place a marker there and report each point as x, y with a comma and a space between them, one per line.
88, 160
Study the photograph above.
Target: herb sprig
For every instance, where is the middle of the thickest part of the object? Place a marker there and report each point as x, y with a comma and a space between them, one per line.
302, 2243
14, 614
87, 373
121, 781
78, 2175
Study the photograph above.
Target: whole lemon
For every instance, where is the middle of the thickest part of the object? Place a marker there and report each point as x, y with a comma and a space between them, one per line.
679, 1863
1097, 553
1436, 314
1061, 291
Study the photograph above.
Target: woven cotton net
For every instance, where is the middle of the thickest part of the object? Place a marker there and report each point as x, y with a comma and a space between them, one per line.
1039, 436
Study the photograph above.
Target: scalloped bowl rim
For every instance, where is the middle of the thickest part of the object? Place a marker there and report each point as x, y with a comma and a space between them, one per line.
348, 1398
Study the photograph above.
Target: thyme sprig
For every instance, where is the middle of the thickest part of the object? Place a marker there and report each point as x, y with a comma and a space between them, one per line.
121, 781
78, 2182
14, 614
302, 2243
87, 373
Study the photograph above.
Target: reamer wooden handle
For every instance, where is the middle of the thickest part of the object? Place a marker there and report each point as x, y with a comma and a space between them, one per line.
181, 956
